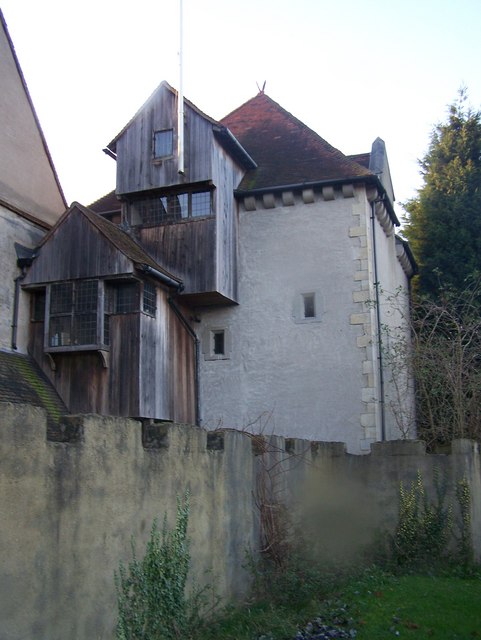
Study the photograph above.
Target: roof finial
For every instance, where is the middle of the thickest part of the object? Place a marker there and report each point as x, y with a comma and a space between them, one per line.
263, 86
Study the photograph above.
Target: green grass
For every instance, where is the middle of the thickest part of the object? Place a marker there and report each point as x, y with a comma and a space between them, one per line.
381, 606
258, 620
444, 608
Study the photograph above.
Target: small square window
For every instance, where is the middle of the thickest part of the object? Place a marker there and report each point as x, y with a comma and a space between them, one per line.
309, 300
307, 307
163, 143
218, 343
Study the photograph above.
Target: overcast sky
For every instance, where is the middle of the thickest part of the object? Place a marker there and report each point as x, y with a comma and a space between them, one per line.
352, 70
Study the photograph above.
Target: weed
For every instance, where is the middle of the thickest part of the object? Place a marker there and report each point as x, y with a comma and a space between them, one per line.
151, 592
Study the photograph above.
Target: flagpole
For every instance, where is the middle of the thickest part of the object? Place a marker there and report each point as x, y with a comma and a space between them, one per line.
180, 101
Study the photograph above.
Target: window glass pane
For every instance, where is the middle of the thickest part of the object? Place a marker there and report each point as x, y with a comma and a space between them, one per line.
201, 203
149, 305
152, 210
127, 298
218, 346
60, 328
38, 306
86, 296
61, 298
309, 305
170, 208
85, 329
176, 206
163, 143
106, 329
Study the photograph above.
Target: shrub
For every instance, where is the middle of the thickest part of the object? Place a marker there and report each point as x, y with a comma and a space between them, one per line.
151, 592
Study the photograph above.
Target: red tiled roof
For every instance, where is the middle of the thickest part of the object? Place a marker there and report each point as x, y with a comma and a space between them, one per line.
287, 152
361, 158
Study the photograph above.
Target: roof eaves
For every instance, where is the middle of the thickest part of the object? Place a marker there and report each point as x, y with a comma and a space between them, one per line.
369, 179
409, 254
232, 145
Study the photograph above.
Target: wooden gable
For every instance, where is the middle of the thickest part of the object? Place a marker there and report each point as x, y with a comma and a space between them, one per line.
138, 169
77, 248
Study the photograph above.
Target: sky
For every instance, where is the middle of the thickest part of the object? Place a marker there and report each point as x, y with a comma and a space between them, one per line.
351, 70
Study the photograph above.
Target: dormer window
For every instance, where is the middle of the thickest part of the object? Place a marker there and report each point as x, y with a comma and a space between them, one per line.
163, 144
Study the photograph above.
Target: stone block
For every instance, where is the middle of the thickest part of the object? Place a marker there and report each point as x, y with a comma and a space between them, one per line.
368, 419
464, 446
363, 341
361, 275
288, 198
399, 448
328, 449
360, 296
355, 232
359, 318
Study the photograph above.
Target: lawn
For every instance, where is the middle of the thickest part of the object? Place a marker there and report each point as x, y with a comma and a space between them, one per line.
447, 608
378, 606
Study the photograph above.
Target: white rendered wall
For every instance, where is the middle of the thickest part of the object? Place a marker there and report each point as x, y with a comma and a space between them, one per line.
14, 229
294, 378
394, 312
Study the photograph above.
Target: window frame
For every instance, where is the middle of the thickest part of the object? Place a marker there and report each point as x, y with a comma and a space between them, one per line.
172, 207
163, 156
105, 306
210, 343
73, 314
305, 301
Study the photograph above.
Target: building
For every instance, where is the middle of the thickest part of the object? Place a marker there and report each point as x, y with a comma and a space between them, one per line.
241, 283
31, 200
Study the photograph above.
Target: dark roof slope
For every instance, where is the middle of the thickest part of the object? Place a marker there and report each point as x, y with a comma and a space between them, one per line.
287, 152
23, 382
361, 158
106, 204
120, 239
114, 234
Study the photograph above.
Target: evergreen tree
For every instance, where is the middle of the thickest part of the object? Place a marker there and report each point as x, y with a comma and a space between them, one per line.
444, 220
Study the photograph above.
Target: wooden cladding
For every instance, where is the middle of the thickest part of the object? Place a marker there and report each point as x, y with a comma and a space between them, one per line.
148, 369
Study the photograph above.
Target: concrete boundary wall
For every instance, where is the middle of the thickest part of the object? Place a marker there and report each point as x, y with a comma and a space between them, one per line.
69, 509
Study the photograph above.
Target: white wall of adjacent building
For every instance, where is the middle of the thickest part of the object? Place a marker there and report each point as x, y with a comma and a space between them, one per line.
282, 373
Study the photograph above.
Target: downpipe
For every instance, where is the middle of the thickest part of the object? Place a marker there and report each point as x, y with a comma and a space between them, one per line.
16, 300
378, 322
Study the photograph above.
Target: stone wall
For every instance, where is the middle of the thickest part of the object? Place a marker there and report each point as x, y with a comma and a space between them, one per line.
69, 509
